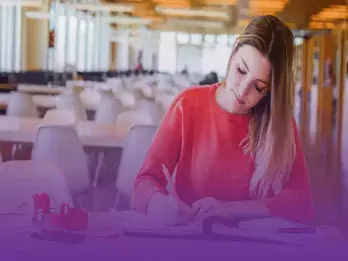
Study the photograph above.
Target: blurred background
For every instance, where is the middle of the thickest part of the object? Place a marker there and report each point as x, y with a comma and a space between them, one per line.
117, 64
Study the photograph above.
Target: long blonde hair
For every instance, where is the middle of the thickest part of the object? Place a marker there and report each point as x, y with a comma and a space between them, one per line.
271, 136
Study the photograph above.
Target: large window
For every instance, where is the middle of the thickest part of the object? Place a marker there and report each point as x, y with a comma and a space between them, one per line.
10, 37
82, 39
167, 52
196, 53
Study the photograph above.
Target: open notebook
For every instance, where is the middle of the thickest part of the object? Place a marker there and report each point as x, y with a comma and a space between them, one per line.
265, 230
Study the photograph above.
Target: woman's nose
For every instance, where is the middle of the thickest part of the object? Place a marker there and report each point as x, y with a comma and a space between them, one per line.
243, 89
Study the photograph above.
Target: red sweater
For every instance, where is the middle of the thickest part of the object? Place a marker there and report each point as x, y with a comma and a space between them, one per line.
203, 139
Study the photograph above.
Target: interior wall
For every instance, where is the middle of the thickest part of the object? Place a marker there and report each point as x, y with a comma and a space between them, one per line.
36, 41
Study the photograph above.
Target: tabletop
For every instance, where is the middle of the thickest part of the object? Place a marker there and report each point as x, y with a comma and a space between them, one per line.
41, 89
50, 101
15, 243
91, 134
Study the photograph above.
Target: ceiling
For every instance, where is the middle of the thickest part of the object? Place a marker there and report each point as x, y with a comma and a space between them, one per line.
231, 15
213, 16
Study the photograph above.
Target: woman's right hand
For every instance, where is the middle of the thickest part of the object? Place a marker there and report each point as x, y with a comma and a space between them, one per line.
166, 210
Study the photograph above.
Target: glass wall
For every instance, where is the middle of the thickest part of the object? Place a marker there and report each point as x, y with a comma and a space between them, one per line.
167, 59
10, 37
196, 53
82, 39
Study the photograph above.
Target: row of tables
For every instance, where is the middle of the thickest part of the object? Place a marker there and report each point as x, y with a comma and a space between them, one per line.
46, 96
24, 130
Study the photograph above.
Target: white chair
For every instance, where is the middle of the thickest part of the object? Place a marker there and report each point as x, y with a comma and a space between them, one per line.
136, 147
152, 108
128, 99
60, 116
72, 101
128, 119
165, 100
107, 113
108, 109
20, 180
61, 145
21, 105
90, 97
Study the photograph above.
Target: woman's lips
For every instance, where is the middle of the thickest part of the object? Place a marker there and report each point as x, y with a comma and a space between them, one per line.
240, 101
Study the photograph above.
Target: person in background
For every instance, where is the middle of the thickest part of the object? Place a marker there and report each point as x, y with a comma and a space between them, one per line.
210, 78
139, 67
184, 71
234, 146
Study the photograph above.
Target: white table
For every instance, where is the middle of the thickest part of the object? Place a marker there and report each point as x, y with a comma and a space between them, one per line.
50, 101
24, 130
42, 89
16, 244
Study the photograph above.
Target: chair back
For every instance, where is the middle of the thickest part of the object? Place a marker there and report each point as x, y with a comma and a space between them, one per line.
21, 105
108, 110
61, 145
20, 180
60, 116
137, 144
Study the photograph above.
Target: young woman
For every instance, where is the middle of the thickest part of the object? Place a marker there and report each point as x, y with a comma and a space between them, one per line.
234, 145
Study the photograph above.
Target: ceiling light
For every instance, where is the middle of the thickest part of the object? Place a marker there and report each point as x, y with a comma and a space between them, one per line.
335, 12
102, 7
172, 3
25, 3
221, 2
128, 20
38, 15
193, 13
195, 23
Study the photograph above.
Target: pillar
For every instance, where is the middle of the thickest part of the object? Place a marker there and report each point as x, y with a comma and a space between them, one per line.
35, 40
306, 84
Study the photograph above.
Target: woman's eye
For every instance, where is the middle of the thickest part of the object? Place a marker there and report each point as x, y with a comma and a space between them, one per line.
257, 88
241, 71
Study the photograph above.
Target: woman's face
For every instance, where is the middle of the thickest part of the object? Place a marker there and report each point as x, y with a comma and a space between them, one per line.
248, 78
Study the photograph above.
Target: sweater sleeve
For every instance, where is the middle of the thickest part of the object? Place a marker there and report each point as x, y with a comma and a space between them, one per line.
165, 149
294, 202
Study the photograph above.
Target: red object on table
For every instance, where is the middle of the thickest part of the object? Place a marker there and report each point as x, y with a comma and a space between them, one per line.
68, 218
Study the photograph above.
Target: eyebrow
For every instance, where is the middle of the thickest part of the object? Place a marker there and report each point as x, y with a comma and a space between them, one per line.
264, 82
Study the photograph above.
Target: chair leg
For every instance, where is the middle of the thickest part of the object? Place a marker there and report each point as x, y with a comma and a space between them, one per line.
14, 149
100, 160
116, 203
122, 202
6, 151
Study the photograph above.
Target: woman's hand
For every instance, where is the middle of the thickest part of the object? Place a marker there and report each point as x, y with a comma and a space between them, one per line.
210, 207
166, 210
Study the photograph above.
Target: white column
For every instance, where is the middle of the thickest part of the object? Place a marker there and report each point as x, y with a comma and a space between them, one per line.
18, 37
123, 52
3, 37
9, 39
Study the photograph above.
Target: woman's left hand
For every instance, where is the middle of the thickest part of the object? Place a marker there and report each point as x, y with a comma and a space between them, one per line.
210, 207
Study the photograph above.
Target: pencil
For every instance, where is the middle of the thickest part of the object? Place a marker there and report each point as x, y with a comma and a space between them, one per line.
170, 186
172, 191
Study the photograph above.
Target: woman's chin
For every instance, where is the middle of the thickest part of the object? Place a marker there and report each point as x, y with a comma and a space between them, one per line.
239, 108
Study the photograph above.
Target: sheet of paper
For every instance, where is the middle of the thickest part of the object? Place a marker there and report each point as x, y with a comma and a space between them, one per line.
268, 224
268, 228
179, 230
259, 234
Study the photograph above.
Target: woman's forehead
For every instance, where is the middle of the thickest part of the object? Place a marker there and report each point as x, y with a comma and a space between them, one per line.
254, 60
